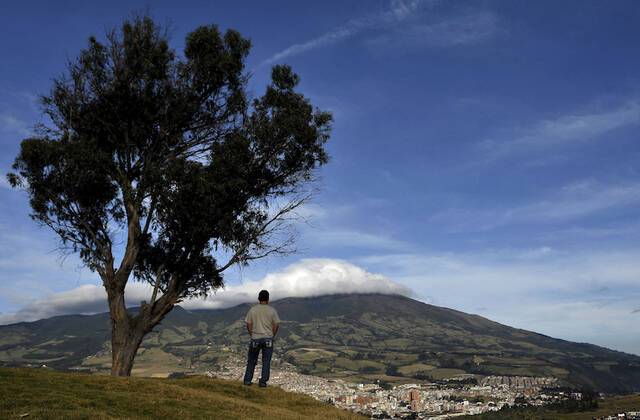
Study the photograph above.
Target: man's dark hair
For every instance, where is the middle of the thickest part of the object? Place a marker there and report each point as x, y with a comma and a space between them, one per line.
263, 296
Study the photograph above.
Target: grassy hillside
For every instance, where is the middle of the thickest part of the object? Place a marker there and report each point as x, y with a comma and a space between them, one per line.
48, 394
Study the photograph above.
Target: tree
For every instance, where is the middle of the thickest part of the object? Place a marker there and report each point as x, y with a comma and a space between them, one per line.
171, 154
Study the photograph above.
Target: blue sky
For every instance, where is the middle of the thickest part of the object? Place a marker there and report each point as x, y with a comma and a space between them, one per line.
484, 154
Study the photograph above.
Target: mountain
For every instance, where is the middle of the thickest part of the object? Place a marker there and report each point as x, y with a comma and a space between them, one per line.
356, 336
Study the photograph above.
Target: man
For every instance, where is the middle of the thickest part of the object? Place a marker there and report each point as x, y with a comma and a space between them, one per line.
262, 323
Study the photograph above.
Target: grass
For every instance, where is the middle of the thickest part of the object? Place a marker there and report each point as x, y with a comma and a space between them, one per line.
45, 394
414, 368
608, 406
150, 362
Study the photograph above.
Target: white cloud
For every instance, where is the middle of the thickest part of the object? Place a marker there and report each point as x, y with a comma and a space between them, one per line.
307, 278
400, 11
563, 130
462, 30
11, 124
31, 265
576, 201
4, 183
85, 299
330, 226
346, 238
617, 230
607, 325
573, 201
309, 212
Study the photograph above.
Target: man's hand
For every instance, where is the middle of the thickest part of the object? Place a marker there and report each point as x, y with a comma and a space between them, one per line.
250, 328
274, 328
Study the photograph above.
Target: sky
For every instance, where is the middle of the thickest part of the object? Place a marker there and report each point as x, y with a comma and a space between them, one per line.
484, 155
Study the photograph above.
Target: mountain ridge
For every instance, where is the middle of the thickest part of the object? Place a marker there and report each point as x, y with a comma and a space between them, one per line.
363, 336
466, 314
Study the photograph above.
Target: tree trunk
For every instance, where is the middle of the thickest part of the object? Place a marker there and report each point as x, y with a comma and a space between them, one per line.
127, 332
125, 341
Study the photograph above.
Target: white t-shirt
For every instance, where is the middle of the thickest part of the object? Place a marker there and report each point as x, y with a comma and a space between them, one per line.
262, 319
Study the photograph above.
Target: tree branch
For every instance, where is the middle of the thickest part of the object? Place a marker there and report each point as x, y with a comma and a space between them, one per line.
238, 255
157, 285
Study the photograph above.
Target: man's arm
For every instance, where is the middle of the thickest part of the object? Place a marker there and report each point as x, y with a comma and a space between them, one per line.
275, 323
249, 321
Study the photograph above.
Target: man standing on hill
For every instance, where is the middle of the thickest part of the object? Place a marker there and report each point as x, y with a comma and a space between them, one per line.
262, 323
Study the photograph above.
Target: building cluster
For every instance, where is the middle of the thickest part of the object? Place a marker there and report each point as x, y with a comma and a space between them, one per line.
418, 401
438, 400
629, 415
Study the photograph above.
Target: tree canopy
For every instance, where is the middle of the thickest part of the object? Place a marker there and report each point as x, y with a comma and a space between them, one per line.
170, 152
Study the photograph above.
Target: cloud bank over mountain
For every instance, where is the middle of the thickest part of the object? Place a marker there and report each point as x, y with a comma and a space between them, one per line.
306, 278
309, 277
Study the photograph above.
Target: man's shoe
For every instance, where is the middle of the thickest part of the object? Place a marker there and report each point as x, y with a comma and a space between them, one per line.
247, 383
262, 384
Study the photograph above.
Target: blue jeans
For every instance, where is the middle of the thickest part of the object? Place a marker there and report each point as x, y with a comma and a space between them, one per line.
255, 346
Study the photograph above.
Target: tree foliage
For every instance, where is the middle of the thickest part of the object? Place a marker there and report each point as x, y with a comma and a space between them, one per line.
170, 152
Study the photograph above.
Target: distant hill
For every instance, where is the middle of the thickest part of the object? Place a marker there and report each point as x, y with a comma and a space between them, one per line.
41, 393
358, 336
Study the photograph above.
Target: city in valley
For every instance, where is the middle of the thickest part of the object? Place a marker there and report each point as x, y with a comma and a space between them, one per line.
463, 395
